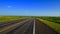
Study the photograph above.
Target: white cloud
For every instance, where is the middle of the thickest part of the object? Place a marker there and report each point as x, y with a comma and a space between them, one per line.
9, 6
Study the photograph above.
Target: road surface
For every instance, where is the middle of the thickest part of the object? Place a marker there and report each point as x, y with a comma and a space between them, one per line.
26, 26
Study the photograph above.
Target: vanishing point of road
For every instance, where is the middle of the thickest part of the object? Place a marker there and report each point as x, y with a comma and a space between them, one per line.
26, 26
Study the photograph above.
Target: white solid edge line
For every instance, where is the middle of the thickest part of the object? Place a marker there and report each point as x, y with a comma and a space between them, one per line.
34, 27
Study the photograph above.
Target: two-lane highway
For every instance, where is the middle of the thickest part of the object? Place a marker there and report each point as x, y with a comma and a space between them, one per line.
27, 26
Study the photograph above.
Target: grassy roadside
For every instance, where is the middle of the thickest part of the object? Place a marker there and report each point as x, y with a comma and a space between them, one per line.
53, 25
9, 18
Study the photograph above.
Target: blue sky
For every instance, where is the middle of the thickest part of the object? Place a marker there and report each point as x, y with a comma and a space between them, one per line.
30, 7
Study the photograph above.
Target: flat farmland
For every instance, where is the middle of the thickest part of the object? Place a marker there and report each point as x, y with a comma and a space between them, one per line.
52, 19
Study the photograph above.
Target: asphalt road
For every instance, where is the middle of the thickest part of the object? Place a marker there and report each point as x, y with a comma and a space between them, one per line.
17, 25
26, 26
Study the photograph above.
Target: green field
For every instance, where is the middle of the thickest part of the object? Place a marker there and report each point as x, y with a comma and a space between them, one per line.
53, 22
52, 19
10, 18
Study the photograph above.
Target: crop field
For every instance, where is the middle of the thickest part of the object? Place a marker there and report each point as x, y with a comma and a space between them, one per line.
53, 22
